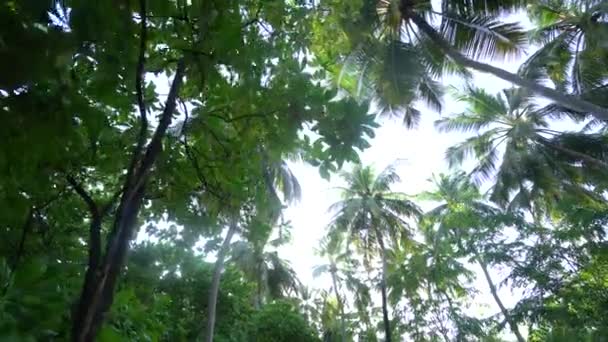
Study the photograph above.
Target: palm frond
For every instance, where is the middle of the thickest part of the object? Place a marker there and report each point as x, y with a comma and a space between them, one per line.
287, 182
385, 179
483, 36
589, 70
403, 208
518, 99
462, 122
438, 63
282, 279
480, 146
397, 76
557, 111
536, 67
411, 117
486, 164
495, 7
481, 102
431, 92
483, 109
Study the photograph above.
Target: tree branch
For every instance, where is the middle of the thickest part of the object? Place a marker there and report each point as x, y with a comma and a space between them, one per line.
25, 231
140, 73
255, 18
156, 143
193, 160
139, 90
245, 116
93, 209
94, 227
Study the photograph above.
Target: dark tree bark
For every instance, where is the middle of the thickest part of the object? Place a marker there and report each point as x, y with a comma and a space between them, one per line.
24, 232
98, 290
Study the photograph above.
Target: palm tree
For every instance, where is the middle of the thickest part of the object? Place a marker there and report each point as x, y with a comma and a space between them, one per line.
308, 304
515, 144
273, 276
463, 218
370, 214
333, 250
413, 51
572, 37
275, 176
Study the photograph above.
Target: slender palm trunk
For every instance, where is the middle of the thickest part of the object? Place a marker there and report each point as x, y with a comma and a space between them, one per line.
498, 301
387, 326
215, 281
542, 239
259, 286
340, 303
576, 155
572, 102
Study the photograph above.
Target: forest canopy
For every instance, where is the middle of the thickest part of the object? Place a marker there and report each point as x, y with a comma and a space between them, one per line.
180, 121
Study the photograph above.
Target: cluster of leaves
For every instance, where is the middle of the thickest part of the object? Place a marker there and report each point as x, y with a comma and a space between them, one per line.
99, 146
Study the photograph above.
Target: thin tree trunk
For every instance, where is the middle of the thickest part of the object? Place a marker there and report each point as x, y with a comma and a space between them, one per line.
437, 312
572, 102
387, 323
21, 246
340, 303
258, 297
215, 281
97, 292
498, 301
261, 275
601, 165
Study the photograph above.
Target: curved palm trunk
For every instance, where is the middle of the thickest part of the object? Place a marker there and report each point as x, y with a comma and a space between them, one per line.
503, 310
215, 282
569, 101
387, 326
340, 303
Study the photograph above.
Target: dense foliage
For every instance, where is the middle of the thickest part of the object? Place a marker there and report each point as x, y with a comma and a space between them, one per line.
144, 139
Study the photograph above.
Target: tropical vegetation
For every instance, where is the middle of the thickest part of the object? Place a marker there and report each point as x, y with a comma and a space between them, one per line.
147, 170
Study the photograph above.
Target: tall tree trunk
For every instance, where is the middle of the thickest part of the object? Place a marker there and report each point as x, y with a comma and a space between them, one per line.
599, 164
497, 299
215, 281
385, 318
334, 280
572, 102
258, 296
97, 292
